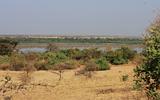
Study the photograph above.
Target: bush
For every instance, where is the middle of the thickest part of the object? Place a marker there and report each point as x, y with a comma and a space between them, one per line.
120, 56
17, 62
91, 53
7, 46
71, 64
127, 53
148, 74
53, 58
68, 64
31, 56
124, 77
102, 64
90, 68
118, 60
4, 59
109, 55
41, 65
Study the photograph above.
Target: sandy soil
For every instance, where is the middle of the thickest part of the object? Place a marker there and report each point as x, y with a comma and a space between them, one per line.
104, 85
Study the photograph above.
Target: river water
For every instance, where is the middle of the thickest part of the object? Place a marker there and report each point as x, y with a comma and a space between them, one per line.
38, 49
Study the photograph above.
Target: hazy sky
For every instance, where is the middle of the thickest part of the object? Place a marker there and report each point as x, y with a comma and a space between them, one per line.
96, 17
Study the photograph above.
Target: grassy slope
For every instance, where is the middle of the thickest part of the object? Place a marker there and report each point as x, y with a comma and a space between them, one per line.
80, 88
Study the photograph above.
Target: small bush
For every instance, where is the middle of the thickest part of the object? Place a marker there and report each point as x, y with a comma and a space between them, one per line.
118, 61
71, 64
120, 56
90, 68
31, 56
54, 58
4, 59
102, 64
138, 59
68, 64
124, 77
4, 62
17, 62
7, 46
41, 65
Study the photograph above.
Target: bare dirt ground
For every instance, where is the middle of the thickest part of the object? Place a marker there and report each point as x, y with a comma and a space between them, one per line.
104, 85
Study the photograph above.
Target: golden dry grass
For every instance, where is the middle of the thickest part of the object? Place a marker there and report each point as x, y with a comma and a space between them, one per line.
104, 85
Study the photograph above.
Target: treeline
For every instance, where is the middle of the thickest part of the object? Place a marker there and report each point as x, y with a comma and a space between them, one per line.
80, 40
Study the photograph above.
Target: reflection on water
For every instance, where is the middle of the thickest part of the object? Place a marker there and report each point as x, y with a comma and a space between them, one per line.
25, 50
37, 49
139, 50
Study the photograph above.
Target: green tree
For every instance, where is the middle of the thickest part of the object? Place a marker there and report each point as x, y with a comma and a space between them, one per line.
148, 74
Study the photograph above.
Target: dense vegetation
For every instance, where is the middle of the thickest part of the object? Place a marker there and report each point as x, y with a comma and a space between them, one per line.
80, 40
148, 74
55, 58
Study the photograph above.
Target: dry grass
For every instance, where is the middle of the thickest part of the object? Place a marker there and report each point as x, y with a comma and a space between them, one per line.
104, 85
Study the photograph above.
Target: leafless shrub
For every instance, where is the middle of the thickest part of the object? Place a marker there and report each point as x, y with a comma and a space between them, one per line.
88, 70
25, 78
60, 68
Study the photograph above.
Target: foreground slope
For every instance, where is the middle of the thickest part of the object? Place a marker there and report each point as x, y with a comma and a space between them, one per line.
104, 85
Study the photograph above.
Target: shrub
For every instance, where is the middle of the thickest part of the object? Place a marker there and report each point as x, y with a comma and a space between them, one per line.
4, 59
17, 62
89, 69
118, 60
102, 64
124, 77
68, 64
91, 66
138, 59
4, 62
50, 57
7, 46
41, 65
91, 53
31, 56
109, 55
71, 64
120, 56
53, 58
127, 53
148, 74
77, 54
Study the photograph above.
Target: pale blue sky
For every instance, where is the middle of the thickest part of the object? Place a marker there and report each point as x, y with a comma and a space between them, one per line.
91, 17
